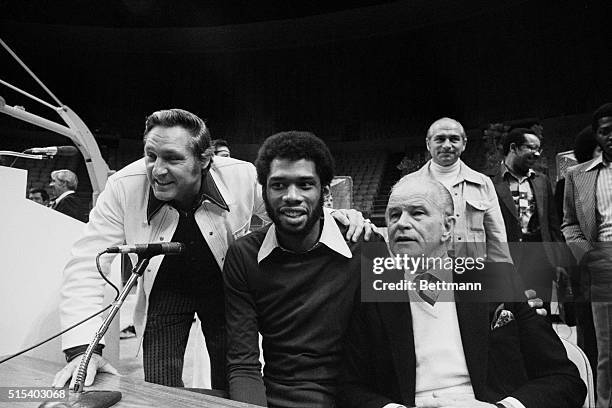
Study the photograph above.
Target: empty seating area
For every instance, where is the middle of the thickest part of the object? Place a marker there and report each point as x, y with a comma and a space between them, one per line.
366, 170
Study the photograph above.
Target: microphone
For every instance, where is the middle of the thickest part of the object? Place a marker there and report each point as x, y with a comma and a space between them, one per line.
54, 150
164, 248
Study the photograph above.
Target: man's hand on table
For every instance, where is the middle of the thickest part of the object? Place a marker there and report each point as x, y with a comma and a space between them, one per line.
96, 364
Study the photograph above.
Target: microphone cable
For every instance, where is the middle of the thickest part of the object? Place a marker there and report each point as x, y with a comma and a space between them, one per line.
76, 324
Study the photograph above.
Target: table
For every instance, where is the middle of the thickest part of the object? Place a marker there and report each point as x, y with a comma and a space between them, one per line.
26, 371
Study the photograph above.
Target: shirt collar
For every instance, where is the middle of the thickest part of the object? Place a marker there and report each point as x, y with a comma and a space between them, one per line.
599, 161
466, 174
330, 237
208, 191
64, 194
506, 170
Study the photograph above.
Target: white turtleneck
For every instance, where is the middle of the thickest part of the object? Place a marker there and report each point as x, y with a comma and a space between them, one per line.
447, 175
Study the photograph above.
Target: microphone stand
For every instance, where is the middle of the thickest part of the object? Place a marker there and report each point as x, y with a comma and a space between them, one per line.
22, 155
100, 399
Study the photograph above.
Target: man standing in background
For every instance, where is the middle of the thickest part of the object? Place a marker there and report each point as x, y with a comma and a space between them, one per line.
587, 226
64, 184
479, 220
529, 212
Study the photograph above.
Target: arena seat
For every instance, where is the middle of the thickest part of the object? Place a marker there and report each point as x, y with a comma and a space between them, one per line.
577, 356
366, 170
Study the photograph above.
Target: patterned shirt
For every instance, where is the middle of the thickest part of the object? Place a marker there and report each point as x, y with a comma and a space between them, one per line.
523, 197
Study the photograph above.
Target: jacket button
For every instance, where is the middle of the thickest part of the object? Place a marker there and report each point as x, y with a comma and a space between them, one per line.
210, 233
161, 238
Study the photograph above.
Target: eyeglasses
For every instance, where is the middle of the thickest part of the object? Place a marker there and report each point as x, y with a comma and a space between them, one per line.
533, 148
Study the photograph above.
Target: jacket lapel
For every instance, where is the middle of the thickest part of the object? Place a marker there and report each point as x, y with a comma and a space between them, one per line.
538, 193
504, 194
397, 320
474, 327
586, 183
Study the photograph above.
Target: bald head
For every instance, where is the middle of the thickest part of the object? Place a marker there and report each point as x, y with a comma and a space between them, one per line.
445, 141
446, 124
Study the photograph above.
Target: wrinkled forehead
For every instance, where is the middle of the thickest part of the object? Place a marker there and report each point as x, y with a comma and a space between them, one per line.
413, 194
421, 192
446, 127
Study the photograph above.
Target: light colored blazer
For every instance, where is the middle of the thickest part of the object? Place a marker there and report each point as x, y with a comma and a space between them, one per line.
579, 207
120, 215
480, 220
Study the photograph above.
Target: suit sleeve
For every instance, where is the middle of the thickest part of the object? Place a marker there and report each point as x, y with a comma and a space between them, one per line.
357, 376
82, 291
554, 380
578, 243
243, 366
259, 208
495, 229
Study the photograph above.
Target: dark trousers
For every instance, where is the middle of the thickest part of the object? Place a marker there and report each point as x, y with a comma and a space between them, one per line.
169, 320
535, 269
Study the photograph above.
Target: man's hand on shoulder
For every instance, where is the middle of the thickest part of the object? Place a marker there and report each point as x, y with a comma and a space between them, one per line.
96, 364
356, 224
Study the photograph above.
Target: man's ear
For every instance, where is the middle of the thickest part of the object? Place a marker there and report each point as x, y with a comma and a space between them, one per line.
449, 226
427, 144
206, 157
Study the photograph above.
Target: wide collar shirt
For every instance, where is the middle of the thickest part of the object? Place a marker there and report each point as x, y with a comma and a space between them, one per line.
522, 195
330, 237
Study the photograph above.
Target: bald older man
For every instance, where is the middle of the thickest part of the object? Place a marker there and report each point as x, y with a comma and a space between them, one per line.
453, 349
478, 217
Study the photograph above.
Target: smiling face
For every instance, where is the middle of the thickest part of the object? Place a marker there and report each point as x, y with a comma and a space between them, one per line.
527, 154
445, 141
173, 171
417, 225
294, 200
